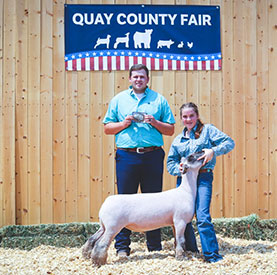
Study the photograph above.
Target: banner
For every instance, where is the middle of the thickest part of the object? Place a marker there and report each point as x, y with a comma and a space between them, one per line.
163, 37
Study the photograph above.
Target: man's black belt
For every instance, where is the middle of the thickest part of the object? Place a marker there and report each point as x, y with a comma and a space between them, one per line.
141, 150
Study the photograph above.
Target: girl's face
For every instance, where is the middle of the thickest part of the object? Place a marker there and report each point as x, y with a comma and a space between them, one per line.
189, 118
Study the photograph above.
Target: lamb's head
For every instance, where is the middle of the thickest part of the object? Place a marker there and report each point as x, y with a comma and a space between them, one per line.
192, 161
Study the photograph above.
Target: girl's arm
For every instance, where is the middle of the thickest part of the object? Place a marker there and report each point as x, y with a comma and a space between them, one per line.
222, 143
173, 162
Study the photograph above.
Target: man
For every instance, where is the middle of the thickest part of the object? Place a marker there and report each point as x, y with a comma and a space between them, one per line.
138, 117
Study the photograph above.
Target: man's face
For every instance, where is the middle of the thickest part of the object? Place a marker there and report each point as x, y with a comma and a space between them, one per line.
139, 81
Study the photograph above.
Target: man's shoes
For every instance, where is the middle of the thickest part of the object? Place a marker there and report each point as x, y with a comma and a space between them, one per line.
122, 254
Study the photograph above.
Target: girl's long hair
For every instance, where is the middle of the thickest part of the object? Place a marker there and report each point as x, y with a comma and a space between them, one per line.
200, 125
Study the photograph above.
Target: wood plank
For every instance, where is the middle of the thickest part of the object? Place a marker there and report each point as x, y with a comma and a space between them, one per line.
46, 107
71, 151
108, 164
21, 111
250, 78
34, 111
272, 34
216, 98
59, 141
263, 118
216, 119
71, 147
8, 115
83, 187
239, 107
96, 145
1, 120
168, 92
83, 146
227, 119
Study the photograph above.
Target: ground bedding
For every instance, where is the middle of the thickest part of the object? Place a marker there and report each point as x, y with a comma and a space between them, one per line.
240, 257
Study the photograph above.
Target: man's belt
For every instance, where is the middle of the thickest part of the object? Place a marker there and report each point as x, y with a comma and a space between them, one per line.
141, 150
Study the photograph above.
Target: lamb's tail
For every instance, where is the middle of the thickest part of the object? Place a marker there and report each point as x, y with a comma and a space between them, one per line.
88, 246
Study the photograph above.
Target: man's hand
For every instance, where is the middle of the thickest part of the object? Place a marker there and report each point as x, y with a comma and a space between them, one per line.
162, 127
127, 121
150, 119
112, 128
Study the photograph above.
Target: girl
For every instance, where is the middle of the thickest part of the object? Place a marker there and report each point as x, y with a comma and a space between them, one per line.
196, 137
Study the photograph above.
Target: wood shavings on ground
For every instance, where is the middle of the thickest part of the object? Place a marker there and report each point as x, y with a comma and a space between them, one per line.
240, 257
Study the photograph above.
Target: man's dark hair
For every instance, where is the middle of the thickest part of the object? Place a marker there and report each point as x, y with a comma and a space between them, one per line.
138, 67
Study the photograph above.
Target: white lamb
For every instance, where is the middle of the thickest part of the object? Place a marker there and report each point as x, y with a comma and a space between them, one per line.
148, 211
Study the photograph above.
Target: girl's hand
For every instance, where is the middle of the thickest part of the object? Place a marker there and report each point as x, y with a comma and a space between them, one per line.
208, 155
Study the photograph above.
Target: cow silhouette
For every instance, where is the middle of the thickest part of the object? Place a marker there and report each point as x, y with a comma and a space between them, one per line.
142, 38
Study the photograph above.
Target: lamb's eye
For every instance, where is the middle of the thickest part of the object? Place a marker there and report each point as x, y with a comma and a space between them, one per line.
191, 158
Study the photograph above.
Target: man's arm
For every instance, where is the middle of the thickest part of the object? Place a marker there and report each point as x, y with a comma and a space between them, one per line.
163, 127
112, 128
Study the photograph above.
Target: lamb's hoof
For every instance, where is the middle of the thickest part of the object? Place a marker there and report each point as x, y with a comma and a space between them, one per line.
86, 251
180, 257
99, 261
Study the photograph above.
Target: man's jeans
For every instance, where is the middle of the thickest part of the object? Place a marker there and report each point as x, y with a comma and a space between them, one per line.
134, 170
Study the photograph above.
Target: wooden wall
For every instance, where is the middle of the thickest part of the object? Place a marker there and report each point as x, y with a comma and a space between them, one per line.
56, 164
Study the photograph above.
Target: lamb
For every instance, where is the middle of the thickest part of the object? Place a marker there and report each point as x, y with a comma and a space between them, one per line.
103, 41
148, 211
124, 40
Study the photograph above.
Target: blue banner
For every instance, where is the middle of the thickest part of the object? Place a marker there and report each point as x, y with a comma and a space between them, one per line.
163, 37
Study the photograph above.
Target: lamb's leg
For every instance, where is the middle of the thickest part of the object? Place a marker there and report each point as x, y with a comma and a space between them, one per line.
100, 251
180, 227
174, 234
88, 246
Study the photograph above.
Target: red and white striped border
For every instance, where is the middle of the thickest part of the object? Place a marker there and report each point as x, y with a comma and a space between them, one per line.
110, 63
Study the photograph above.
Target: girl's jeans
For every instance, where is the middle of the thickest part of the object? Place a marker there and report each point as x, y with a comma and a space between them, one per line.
203, 220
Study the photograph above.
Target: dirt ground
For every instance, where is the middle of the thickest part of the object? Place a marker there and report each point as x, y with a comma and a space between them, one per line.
240, 257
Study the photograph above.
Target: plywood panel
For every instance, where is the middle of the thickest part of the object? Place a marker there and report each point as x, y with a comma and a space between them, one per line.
58, 165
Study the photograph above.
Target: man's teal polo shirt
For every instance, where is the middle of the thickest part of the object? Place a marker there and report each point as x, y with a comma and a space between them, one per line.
139, 134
